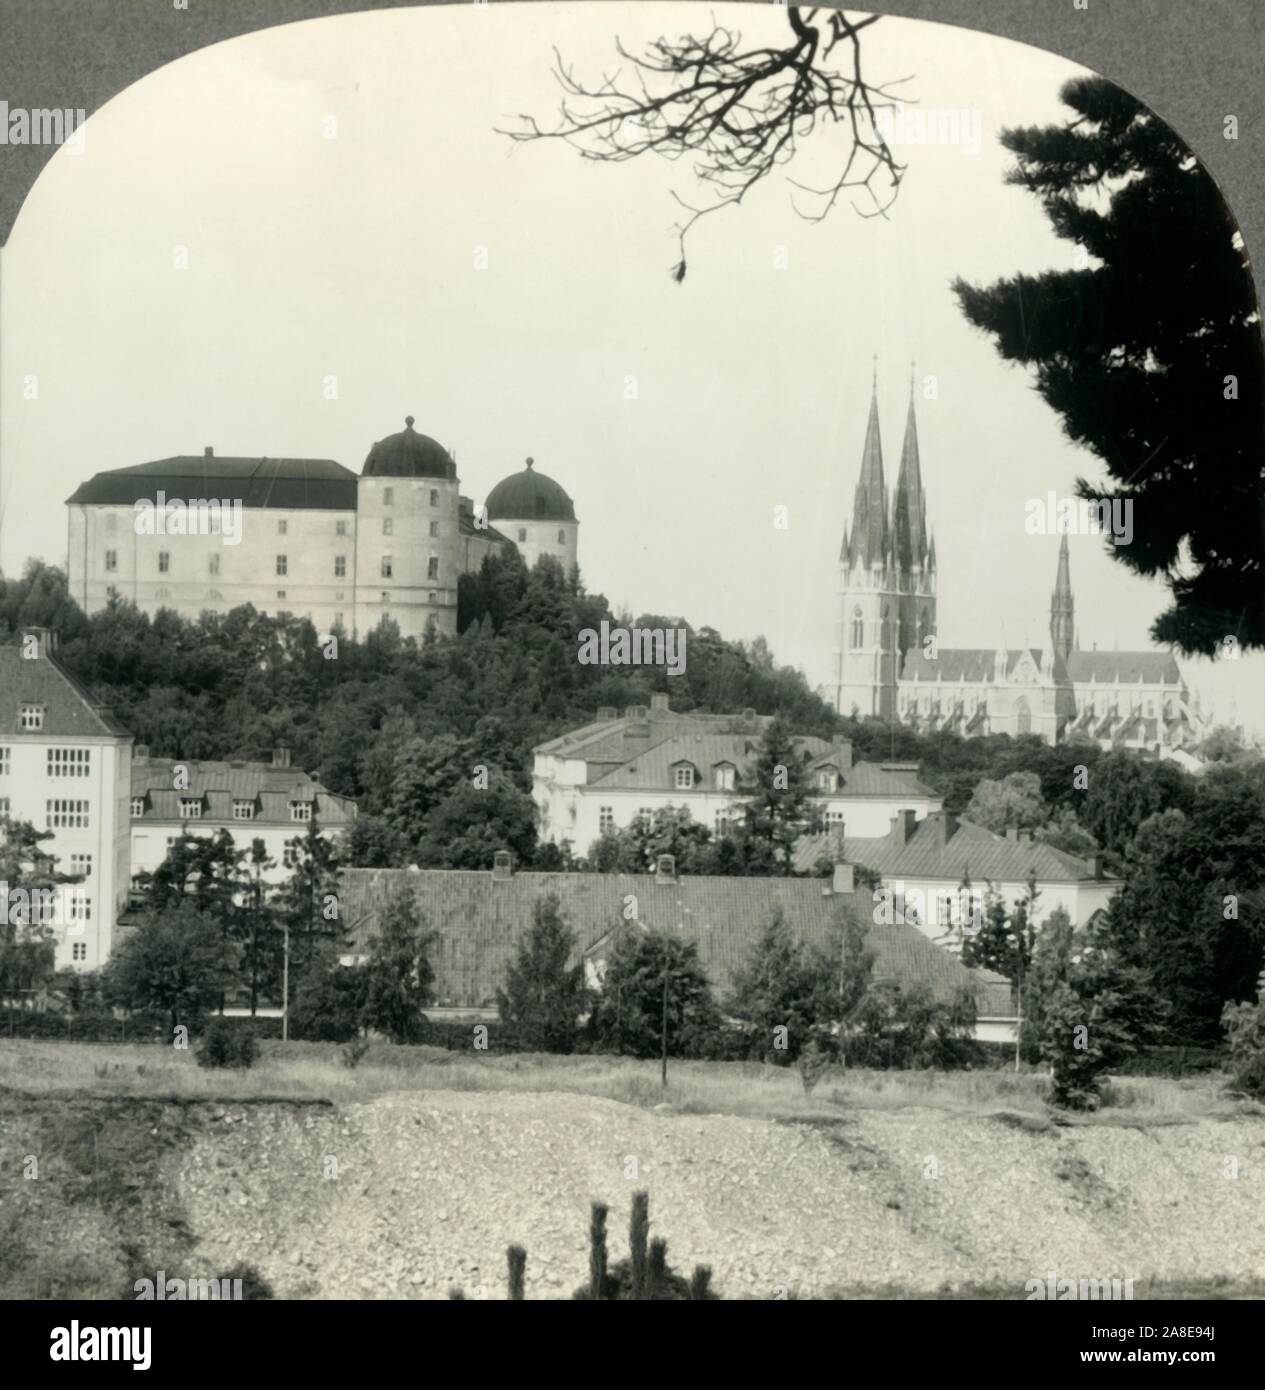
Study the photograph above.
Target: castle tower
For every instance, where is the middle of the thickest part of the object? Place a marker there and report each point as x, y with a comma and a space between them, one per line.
1063, 608
864, 675
915, 559
534, 512
407, 523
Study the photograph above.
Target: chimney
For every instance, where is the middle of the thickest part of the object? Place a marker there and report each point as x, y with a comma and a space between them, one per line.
1025, 837
665, 868
659, 701
843, 751
949, 820
281, 756
842, 882
1012, 834
208, 452
903, 824
638, 717
502, 866
38, 642
605, 714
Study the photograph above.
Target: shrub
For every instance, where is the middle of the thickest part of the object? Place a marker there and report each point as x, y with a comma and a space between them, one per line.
1245, 1030
225, 1046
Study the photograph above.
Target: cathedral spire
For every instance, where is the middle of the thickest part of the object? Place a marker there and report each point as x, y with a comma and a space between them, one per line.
1062, 607
868, 540
909, 509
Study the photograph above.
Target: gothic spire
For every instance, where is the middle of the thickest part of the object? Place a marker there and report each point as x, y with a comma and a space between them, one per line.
868, 542
909, 509
1062, 607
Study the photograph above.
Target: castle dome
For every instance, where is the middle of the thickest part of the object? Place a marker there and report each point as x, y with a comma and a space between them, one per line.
409, 455
529, 496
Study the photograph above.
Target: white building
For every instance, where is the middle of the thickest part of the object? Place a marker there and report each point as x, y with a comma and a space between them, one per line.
939, 872
602, 776
65, 766
272, 802
305, 536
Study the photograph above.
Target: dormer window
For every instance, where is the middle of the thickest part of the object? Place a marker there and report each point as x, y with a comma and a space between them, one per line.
190, 808
684, 777
301, 810
827, 780
138, 806
243, 810
31, 716
724, 777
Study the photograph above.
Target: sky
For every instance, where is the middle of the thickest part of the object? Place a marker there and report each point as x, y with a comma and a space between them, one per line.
334, 200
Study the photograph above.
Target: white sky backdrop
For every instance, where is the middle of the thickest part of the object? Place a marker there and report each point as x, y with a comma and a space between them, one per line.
355, 256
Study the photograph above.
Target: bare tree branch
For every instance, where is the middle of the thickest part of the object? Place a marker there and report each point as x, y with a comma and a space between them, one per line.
737, 112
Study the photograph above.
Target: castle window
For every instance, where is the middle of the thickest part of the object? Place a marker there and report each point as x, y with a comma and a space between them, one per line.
338, 620
281, 593
857, 636
684, 778
562, 537
4, 762
434, 497
387, 526
111, 560
522, 533
340, 528
386, 598
388, 496
164, 561
340, 566
434, 528
282, 526
432, 567
386, 567
283, 564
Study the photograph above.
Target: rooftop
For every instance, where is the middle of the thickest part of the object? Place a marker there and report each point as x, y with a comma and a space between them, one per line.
218, 785
285, 484
31, 674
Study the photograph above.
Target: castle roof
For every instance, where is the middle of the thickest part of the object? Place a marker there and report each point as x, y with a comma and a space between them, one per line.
529, 496
409, 454
287, 484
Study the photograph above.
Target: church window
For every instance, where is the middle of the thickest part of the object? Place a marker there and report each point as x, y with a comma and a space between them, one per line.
857, 637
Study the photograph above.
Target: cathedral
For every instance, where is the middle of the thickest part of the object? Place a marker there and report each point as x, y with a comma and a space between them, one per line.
308, 537
888, 662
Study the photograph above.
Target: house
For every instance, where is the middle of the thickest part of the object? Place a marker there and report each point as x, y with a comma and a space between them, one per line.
272, 802
605, 774
939, 870
65, 766
481, 917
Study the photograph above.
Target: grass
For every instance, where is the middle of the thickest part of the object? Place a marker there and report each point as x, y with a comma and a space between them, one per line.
313, 1072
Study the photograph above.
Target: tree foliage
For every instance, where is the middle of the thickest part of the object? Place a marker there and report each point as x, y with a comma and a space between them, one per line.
629, 1013
544, 994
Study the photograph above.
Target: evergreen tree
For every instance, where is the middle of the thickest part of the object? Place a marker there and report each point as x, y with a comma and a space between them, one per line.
778, 990
544, 996
629, 1013
399, 975
779, 808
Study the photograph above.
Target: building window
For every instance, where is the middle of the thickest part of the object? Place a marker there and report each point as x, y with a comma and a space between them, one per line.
386, 567
138, 805
826, 781
243, 810
213, 563
646, 813
387, 525
720, 826
282, 526
111, 560
31, 716
340, 566
301, 810
834, 817
562, 537
434, 528
79, 950
4, 762
724, 779
434, 497
388, 496
857, 636
430, 598
290, 856
338, 620
522, 533
281, 593
162, 592
386, 597
190, 808
66, 815
1023, 717
80, 907
432, 567
605, 819
283, 564
164, 561
69, 762
684, 778
340, 528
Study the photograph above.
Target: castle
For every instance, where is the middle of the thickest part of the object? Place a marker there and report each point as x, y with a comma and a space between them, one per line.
888, 662
307, 536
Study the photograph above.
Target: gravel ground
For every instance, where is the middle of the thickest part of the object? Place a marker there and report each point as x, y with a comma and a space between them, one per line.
407, 1195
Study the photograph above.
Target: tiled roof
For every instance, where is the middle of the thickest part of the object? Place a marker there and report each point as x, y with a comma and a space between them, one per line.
480, 922
939, 848
321, 484
1149, 668
69, 708
272, 789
